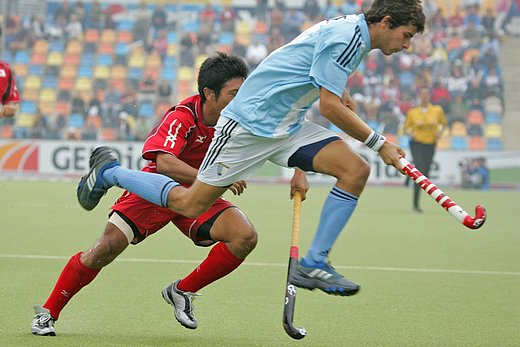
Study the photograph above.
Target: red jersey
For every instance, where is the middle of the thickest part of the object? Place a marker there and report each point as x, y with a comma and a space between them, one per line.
181, 133
8, 90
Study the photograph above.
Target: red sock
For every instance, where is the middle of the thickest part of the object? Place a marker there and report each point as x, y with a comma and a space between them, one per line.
73, 277
219, 263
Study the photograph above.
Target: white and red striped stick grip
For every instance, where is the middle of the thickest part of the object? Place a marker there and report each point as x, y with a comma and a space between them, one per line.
444, 200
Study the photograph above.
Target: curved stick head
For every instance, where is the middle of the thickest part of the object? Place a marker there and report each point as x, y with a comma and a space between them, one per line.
294, 332
479, 219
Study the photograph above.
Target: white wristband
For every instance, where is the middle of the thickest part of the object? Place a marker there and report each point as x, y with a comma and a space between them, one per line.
375, 141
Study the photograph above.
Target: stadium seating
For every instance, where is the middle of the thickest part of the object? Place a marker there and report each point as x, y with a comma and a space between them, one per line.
459, 143
477, 143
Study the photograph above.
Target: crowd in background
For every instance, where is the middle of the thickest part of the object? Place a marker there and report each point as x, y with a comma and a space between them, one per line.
456, 56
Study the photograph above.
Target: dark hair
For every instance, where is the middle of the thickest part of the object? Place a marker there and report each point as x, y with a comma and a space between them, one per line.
403, 12
217, 70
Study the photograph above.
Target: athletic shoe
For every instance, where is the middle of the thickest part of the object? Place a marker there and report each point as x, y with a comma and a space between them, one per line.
324, 278
91, 188
182, 303
43, 323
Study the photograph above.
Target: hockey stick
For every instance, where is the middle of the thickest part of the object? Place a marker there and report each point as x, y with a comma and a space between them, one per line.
290, 289
444, 200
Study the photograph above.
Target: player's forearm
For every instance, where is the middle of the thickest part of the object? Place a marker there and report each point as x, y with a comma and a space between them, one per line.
176, 169
345, 119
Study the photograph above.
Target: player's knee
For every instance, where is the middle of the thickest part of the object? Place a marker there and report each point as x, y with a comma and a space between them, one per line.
246, 239
363, 171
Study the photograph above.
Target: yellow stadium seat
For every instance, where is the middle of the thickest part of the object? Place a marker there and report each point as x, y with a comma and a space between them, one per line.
172, 49
199, 59
137, 60
25, 120
69, 71
243, 27
186, 73
55, 58
444, 143
33, 82
74, 47
108, 35
48, 95
101, 72
154, 60
46, 107
119, 72
493, 130
459, 129
83, 84
41, 46
20, 69
31, 94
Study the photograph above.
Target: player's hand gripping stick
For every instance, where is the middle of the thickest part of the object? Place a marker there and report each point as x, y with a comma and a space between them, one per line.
444, 200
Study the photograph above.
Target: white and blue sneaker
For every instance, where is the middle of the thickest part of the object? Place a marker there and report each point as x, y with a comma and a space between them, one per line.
182, 303
42, 323
323, 277
91, 187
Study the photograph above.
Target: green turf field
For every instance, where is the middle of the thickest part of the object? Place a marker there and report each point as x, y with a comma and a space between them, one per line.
426, 280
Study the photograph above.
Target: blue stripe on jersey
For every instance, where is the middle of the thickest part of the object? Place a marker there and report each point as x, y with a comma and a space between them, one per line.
352, 46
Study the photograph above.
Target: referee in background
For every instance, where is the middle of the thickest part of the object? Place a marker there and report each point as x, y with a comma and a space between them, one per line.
424, 123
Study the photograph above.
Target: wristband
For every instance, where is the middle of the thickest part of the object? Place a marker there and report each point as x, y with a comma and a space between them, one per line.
375, 141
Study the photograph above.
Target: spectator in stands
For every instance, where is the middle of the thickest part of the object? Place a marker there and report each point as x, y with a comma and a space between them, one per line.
207, 17
424, 123
111, 107
160, 44
74, 28
488, 21
330, 10
293, 22
56, 29
391, 118
502, 13
352, 7
204, 41
40, 128
260, 12
492, 82
9, 96
275, 40
440, 94
147, 89
311, 10
80, 12
78, 105
97, 16
457, 83
255, 53
164, 91
458, 110
187, 49
124, 129
430, 8
129, 101
228, 17
37, 27
63, 11
159, 17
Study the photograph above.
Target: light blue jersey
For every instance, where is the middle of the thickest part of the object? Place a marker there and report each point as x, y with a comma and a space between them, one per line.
274, 99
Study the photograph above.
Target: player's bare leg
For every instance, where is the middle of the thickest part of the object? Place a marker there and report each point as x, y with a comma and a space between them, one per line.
351, 171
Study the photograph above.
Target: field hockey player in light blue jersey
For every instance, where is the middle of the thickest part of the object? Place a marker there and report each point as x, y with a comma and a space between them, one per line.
266, 122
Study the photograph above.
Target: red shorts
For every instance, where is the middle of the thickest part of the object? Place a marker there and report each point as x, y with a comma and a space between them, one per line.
145, 218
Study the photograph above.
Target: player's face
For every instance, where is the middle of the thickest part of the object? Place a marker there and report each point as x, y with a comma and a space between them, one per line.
228, 92
397, 39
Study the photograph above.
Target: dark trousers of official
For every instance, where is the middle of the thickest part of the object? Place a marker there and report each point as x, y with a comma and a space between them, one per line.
422, 158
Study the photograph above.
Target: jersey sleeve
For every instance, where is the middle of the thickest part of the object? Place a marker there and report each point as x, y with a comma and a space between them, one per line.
170, 135
10, 92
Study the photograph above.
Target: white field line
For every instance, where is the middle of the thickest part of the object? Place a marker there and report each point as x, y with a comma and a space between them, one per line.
349, 267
